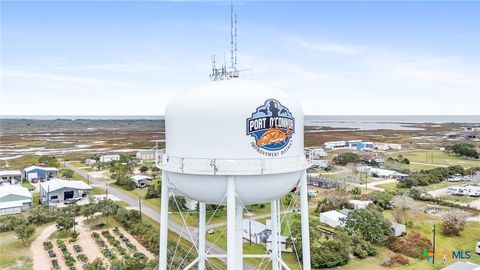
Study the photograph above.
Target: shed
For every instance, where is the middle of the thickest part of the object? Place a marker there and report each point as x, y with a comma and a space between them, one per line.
14, 199
34, 173
11, 176
333, 218
141, 181
399, 229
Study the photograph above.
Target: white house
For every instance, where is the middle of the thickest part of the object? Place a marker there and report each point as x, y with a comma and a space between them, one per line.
333, 218
255, 231
109, 158
14, 199
383, 173
60, 191
359, 204
388, 146
10, 176
90, 162
317, 153
146, 155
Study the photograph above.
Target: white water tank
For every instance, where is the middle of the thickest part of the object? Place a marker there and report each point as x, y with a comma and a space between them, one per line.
238, 128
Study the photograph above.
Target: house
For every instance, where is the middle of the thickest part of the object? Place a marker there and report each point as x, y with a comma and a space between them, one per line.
359, 204
90, 162
191, 204
333, 218
358, 145
35, 173
318, 153
255, 231
388, 146
10, 176
382, 173
398, 229
141, 181
61, 191
14, 199
109, 158
369, 157
146, 155
462, 266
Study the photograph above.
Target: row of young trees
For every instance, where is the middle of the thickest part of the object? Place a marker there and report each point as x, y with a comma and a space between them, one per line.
432, 176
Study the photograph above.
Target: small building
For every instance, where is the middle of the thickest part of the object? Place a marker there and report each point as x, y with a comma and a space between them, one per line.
255, 231
382, 173
109, 158
462, 266
359, 204
14, 199
370, 157
35, 173
90, 162
10, 176
318, 153
320, 164
141, 181
146, 155
398, 229
333, 218
358, 145
388, 146
61, 191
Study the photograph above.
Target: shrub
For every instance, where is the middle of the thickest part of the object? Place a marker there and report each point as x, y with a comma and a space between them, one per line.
382, 199
453, 224
395, 259
411, 245
370, 226
331, 253
346, 158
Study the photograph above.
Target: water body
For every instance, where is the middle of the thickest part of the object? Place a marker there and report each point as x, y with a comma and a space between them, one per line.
359, 122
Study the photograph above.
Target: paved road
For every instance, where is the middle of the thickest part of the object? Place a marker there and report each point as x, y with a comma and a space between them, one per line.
155, 215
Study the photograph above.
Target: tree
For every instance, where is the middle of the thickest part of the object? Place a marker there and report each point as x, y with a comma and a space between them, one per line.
89, 210
332, 252
368, 225
153, 191
49, 161
125, 182
173, 201
346, 158
382, 199
453, 224
65, 223
464, 149
108, 208
24, 232
143, 169
411, 245
97, 264
67, 173
403, 204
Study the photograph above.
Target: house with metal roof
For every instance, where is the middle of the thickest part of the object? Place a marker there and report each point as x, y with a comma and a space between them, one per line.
14, 199
61, 191
34, 173
333, 218
141, 181
10, 176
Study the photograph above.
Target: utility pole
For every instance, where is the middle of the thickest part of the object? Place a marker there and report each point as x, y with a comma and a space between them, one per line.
140, 207
434, 243
366, 181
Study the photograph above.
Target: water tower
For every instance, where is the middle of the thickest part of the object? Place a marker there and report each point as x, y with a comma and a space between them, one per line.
235, 142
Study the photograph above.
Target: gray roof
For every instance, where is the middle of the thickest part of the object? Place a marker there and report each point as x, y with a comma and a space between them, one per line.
461, 266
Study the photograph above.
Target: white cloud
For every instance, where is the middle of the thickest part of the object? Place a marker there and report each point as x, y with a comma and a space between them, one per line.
321, 47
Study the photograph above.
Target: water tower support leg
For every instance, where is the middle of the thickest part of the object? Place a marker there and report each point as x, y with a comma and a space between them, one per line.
274, 235
162, 256
201, 236
239, 235
231, 240
304, 220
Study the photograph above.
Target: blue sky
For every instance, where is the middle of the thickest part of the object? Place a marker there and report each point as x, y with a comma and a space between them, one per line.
131, 58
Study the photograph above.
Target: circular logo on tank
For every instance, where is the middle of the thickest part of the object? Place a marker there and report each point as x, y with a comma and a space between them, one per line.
271, 126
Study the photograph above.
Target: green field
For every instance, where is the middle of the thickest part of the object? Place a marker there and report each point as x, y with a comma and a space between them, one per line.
430, 158
14, 255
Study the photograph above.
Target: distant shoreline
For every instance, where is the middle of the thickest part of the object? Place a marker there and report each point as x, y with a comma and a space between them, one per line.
309, 119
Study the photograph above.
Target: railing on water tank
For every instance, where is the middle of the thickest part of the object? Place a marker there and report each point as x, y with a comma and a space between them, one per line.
223, 166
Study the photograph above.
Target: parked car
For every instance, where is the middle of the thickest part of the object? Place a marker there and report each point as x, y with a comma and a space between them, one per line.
477, 249
72, 200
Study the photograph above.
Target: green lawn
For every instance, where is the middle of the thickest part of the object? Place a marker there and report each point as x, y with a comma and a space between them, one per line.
28, 185
437, 157
14, 255
459, 199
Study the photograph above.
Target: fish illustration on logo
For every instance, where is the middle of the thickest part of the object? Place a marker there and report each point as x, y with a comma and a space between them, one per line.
271, 125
